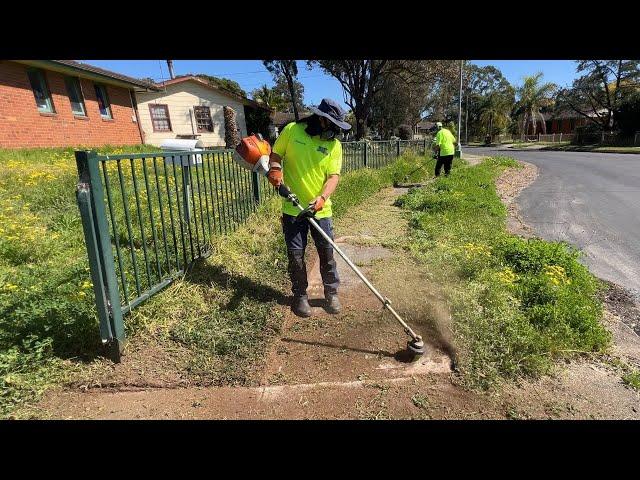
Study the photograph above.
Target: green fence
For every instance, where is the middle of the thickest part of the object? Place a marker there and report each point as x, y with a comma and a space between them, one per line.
148, 217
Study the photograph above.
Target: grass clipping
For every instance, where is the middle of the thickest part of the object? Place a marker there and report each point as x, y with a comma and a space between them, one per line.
517, 305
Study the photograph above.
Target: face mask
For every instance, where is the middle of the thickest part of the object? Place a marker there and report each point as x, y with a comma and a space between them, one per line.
328, 134
313, 127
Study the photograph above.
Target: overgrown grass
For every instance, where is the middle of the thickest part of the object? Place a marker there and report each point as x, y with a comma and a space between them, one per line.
46, 309
222, 312
517, 304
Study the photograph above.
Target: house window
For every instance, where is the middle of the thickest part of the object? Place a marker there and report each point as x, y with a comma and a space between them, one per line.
103, 101
203, 119
41, 91
75, 96
160, 118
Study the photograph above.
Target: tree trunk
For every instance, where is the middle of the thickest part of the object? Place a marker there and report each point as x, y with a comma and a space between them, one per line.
231, 130
292, 92
491, 129
466, 122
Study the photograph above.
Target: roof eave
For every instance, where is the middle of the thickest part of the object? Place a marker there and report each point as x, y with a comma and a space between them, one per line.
244, 100
65, 68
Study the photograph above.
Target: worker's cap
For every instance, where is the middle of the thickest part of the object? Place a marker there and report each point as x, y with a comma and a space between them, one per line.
439, 124
332, 111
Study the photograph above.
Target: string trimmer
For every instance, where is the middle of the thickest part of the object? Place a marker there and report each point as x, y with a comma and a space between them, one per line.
253, 154
404, 183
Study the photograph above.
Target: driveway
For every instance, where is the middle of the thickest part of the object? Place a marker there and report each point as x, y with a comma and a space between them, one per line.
591, 200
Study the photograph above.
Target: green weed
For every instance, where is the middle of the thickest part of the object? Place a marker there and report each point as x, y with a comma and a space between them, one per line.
517, 304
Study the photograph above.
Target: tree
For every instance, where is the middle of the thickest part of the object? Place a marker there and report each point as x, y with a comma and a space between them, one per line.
289, 70
360, 80
281, 89
532, 97
628, 115
600, 91
224, 83
495, 113
258, 121
404, 95
478, 84
268, 97
405, 132
363, 80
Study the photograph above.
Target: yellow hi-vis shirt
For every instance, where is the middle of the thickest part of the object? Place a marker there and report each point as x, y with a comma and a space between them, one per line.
445, 139
307, 163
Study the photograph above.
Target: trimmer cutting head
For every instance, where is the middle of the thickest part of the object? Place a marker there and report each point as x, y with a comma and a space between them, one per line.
416, 347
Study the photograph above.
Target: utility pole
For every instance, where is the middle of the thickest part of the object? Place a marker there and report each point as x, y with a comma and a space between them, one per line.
170, 65
459, 152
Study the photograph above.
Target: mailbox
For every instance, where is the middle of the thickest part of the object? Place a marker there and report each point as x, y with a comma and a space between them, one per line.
183, 145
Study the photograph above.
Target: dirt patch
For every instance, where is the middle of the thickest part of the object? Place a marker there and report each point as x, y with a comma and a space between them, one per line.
624, 304
364, 341
509, 184
473, 159
418, 397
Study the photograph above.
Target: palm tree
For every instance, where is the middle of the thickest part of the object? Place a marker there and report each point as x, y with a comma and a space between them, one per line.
267, 97
495, 113
534, 95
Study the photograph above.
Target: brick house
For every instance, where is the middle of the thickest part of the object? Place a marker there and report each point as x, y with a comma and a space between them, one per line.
564, 122
59, 103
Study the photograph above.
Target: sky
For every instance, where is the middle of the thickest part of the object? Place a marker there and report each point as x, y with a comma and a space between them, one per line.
252, 74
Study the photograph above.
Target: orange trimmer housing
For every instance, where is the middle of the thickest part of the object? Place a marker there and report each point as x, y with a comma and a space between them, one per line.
253, 152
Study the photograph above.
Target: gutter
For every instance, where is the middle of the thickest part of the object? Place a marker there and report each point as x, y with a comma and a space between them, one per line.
134, 105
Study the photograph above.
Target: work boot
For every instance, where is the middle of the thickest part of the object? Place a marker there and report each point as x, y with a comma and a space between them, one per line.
297, 273
300, 306
332, 303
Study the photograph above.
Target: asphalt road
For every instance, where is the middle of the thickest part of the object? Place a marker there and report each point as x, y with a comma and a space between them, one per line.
591, 200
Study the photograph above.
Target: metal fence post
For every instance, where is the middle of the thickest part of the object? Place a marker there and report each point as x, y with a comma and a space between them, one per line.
366, 147
255, 181
398, 148
90, 197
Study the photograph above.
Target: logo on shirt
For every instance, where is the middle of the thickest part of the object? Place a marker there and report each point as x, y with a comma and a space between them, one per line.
323, 150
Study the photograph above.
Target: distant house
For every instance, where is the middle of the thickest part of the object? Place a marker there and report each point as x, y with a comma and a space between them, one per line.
279, 120
59, 103
422, 129
189, 107
565, 121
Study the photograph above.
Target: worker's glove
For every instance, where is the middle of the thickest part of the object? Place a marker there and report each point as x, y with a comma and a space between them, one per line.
275, 176
317, 203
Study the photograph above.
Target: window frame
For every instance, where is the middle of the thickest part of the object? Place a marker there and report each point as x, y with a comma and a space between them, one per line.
99, 87
208, 109
166, 110
43, 84
78, 84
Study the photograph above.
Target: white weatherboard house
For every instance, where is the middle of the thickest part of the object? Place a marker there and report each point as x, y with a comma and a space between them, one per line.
189, 107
